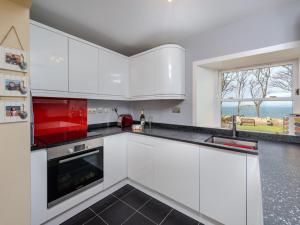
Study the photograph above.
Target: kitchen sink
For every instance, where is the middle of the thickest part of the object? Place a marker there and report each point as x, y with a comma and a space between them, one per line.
233, 142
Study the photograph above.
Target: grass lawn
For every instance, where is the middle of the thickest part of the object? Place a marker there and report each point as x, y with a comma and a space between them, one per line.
262, 128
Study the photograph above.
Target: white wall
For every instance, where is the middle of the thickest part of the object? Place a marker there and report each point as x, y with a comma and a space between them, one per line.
271, 27
207, 98
104, 117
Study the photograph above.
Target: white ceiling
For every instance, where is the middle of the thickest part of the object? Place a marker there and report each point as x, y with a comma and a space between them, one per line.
131, 26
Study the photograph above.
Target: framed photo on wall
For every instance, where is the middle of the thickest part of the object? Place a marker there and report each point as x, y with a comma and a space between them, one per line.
13, 85
13, 59
14, 111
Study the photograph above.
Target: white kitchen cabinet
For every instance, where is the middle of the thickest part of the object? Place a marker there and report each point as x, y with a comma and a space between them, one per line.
141, 163
142, 75
83, 67
177, 171
113, 74
254, 195
158, 73
115, 159
38, 187
223, 185
170, 71
48, 60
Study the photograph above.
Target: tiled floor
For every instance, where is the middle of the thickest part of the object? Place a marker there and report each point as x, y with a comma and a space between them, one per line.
130, 206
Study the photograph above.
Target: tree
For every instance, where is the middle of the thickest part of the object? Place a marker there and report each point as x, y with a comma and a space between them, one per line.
283, 79
241, 81
227, 84
259, 86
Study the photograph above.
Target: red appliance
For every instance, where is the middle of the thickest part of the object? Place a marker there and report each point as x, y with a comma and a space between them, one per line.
125, 120
58, 120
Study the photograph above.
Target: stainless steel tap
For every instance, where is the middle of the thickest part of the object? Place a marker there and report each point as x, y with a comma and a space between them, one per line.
234, 126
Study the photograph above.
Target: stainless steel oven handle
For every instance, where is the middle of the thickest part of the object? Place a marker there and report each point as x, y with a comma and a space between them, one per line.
77, 157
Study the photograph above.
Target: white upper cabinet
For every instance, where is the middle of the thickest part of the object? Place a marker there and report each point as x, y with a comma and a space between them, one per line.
142, 75
65, 66
48, 60
223, 185
83, 67
170, 71
113, 74
158, 73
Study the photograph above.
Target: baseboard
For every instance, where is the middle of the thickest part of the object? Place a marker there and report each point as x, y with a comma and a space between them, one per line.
181, 208
80, 207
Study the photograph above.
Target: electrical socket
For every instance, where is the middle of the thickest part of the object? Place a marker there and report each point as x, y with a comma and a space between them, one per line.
100, 110
92, 110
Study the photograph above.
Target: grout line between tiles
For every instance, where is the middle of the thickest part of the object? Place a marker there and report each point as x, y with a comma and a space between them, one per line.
137, 210
166, 216
129, 217
102, 219
89, 219
97, 216
124, 195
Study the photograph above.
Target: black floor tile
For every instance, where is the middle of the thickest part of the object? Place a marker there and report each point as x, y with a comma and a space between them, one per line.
117, 213
123, 191
138, 219
136, 199
177, 218
156, 210
80, 218
103, 204
95, 221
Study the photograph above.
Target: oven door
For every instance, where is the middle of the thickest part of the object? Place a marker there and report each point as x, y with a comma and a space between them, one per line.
71, 174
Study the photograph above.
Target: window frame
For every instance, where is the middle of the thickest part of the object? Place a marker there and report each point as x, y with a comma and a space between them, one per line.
295, 84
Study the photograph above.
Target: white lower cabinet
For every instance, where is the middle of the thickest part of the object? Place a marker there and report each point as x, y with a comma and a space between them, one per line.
168, 167
254, 194
115, 159
141, 163
38, 187
223, 185
177, 171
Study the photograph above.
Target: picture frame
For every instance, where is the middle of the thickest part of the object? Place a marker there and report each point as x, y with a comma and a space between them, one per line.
11, 85
13, 59
13, 111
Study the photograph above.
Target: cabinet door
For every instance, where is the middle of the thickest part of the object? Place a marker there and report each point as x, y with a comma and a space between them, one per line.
254, 195
115, 159
223, 185
48, 60
142, 75
177, 171
83, 66
170, 71
38, 187
113, 74
140, 163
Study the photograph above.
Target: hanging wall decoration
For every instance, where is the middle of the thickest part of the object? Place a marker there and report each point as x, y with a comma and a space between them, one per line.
13, 85
13, 59
13, 111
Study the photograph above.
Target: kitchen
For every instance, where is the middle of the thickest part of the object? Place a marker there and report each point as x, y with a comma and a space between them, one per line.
161, 121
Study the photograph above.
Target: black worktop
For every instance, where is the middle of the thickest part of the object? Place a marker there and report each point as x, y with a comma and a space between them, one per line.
279, 158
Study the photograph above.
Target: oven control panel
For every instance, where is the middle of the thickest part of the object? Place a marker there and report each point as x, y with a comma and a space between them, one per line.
68, 149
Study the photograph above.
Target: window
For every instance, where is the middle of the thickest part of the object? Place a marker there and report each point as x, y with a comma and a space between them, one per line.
260, 96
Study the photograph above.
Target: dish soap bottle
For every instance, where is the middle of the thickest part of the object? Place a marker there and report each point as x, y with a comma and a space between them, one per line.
142, 118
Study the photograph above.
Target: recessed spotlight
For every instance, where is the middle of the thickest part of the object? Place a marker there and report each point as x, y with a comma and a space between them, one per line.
170, 0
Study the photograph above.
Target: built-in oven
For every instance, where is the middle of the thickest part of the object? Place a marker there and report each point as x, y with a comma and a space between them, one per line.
73, 168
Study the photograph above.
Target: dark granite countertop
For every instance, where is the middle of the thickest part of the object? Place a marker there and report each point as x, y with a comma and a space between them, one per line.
280, 177
279, 167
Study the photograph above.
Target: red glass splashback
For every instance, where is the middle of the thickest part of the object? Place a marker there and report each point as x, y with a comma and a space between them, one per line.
58, 120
